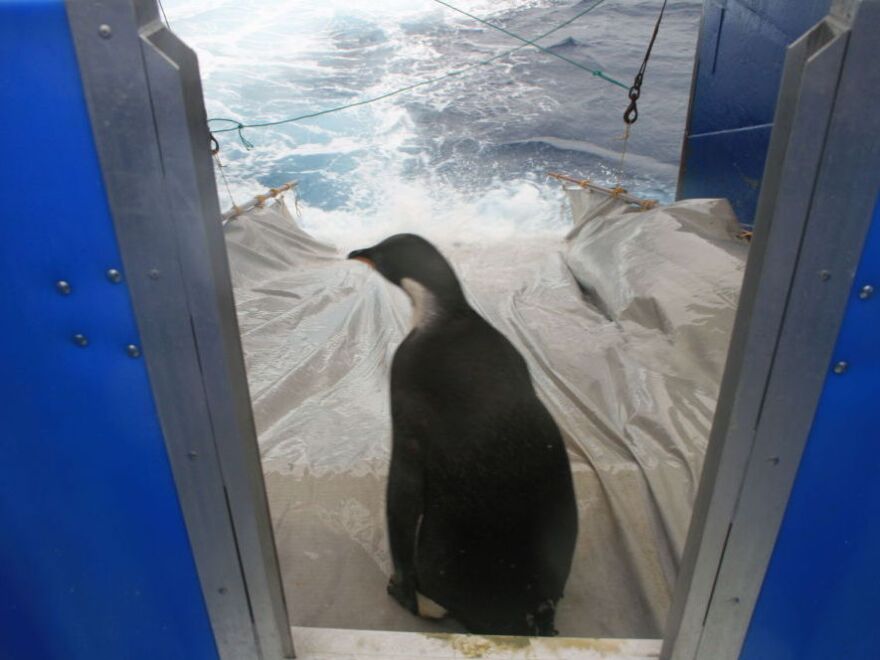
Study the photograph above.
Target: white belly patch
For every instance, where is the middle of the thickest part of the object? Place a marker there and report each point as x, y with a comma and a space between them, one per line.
424, 304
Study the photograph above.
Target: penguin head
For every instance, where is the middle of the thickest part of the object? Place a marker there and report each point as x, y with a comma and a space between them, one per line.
415, 265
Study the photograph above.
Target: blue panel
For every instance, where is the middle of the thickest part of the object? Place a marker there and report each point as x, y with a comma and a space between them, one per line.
741, 56
821, 594
739, 65
726, 162
94, 557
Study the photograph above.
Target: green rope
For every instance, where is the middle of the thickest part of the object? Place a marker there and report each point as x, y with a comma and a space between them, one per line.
239, 126
595, 72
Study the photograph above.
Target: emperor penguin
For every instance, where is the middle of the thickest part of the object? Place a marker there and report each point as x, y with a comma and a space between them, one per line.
481, 512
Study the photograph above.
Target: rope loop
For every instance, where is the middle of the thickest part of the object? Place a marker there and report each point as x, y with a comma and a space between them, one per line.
247, 144
631, 116
636, 90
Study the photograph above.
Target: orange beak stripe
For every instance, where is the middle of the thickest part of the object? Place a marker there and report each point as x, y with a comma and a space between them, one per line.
369, 262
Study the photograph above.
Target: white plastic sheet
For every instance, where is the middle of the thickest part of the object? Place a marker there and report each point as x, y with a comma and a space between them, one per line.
625, 325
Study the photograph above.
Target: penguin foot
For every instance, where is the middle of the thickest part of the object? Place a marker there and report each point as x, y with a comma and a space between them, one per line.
404, 593
543, 619
428, 609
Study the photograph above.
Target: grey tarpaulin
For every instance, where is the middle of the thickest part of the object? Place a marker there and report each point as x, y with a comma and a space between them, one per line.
624, 324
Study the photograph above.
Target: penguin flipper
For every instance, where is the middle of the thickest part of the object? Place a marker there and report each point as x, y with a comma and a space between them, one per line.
404, 508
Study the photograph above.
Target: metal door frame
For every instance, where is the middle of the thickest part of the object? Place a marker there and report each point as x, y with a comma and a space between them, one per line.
144, 96
145, 101
814, 212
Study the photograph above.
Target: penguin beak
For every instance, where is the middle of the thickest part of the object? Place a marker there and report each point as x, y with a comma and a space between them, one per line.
360, 255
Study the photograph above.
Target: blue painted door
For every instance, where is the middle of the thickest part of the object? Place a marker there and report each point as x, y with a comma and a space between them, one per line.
95, 561
740, 57
821, 595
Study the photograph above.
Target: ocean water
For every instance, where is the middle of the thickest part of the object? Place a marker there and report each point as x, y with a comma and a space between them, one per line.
464, 159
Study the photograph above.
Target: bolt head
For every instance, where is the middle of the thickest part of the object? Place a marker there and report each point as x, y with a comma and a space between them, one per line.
841, 367
63, 287
114, 275
824, 275
105, 31
154, 274
866, 292
133, 351
80, 340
